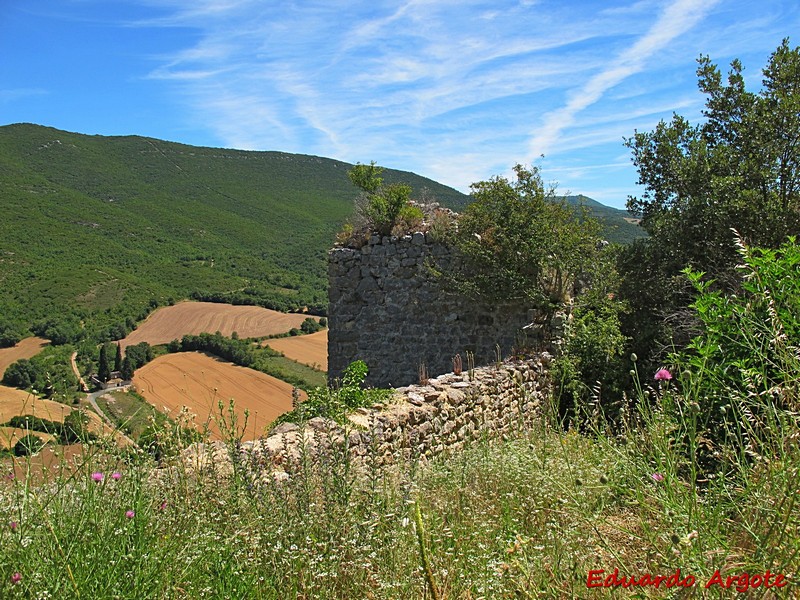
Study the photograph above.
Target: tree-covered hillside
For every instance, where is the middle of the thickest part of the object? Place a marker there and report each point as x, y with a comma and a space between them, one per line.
96, 231
97, 227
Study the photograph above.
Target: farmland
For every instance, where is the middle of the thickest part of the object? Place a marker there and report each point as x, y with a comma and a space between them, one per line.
192, 318
199, 381
26, 348
15, 402
311, 350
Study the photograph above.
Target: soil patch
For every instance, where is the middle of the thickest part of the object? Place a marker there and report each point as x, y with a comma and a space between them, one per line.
192, 318
26, 348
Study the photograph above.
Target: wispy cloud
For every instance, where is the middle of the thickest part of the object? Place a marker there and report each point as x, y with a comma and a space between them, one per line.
457, 90
676, 19
13, 95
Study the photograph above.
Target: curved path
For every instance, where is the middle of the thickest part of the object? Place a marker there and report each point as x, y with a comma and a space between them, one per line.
75, 370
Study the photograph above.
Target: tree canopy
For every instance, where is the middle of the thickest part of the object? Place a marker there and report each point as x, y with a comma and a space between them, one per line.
519, 242
738, 169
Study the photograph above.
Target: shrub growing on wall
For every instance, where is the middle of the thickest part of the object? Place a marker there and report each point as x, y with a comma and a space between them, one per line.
519, 242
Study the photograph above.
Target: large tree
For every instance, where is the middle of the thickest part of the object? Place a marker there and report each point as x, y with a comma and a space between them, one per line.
738, 169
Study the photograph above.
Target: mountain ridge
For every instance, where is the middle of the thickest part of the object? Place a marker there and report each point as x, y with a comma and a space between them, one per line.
101, 228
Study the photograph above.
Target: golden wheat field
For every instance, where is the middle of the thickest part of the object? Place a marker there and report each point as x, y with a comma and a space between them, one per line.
192, 318
26, 348
199, 381
15, 402
311, 349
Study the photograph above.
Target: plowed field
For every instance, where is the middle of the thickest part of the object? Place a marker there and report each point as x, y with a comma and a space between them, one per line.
311, 350
191, 318
24, 349
199, 381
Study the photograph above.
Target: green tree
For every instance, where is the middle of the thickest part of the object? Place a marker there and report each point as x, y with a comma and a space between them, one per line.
21, 374
118, 359
103, 366
310, 325
738, 169
519, 242
127, 369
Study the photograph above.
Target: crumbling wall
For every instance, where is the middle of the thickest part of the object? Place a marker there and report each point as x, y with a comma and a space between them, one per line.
387, 309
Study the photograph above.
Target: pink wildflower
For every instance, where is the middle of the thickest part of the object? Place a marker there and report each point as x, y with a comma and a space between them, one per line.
116, 476
657, 477
663, 375
163, 505
130, 514
13, 525
97, 476
16, 578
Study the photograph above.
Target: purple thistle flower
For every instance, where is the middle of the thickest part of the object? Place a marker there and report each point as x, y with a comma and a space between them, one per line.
163, 505
657, 477
130, 514
97, 476
13, 525
16, 578
116, 476
663, 375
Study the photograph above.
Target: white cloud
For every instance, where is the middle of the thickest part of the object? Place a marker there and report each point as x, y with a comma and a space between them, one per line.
675, 20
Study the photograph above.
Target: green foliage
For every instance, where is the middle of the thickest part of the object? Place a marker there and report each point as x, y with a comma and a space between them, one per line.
28, 445
310, 325
592, 366
73, 430
102, 229
10, 334
337, 401
748, 352
76, 428
366, 177
739, 169
103, 366
519, 243
382, 207
139, 354
21, 374
49, 372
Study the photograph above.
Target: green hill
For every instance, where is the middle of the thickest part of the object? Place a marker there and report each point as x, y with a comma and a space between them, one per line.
97, 227
618, 226
96, 231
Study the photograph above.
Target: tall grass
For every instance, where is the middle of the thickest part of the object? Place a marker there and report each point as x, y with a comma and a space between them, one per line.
699, 473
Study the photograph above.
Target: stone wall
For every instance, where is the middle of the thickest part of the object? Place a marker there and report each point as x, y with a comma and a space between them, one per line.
389, 311
418, 423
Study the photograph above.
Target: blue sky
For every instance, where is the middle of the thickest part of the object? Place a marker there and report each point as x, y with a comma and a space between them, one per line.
456, 90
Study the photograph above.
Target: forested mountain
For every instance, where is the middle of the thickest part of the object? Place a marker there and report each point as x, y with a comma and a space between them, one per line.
96, 230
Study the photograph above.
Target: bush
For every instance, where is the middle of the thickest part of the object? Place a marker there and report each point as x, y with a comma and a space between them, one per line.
517, 242
310, 325
337, 401
747, 356
28, 445
21, 374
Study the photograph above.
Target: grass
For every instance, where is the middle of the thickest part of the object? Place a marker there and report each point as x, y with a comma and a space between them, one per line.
534, 516
130, 412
